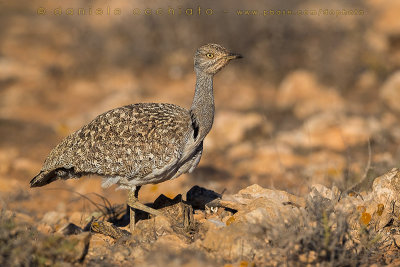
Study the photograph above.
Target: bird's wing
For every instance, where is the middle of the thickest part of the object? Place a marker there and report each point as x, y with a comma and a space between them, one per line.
131, 141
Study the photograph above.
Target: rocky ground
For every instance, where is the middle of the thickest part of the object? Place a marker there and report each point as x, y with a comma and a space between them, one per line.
304, 125
254, 227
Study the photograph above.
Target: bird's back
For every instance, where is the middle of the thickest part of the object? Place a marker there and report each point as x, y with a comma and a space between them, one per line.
133, 142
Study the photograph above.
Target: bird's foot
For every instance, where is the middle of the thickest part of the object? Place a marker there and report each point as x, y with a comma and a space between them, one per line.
134, 204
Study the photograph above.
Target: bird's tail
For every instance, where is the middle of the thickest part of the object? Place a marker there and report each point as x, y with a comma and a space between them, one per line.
43, 178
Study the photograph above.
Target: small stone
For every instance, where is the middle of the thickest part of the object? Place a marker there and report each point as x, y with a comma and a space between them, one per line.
54, 218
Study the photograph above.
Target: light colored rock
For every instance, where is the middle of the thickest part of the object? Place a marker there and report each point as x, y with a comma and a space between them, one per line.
269, 158
377, 207
246, 94
390, 91
296, 86
257, 205
385, 198
54, 218
241, 151
333, 131
234, 242
255, 191
301, 90
266, 211
386, 188
45, 228
230, 128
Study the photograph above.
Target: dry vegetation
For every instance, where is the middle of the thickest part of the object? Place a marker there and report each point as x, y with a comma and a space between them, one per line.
314, 102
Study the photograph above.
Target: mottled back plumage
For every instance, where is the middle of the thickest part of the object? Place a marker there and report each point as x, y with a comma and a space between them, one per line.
131, 142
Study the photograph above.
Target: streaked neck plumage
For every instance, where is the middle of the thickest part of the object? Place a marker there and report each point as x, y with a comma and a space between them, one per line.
203, 103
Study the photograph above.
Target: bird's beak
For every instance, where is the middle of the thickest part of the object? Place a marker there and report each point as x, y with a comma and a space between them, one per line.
233, 56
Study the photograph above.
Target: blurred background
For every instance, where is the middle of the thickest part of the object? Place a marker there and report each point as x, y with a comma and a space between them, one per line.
314, 90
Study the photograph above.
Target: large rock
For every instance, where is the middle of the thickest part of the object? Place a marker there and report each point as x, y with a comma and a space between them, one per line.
385, 200
386, 188
257, 205
378, 207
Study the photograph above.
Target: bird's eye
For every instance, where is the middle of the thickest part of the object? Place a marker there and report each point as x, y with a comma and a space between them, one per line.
209, 55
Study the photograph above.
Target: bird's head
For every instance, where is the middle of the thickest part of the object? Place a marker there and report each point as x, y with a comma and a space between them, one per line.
211, 58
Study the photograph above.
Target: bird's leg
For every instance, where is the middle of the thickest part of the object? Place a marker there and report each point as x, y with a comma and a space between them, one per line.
134, 203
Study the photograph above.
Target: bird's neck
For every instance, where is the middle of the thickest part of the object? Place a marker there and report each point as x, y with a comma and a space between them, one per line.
203, 103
